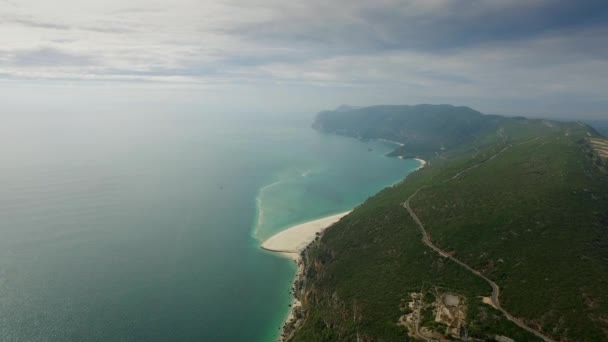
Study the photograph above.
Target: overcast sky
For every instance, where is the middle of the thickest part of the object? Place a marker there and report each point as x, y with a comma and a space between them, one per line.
537, 57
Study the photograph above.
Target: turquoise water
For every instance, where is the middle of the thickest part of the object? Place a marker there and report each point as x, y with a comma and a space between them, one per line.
146, 227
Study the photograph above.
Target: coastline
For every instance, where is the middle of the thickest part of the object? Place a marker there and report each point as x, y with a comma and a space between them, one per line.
290, 243
295, 239
391, 141
422, 162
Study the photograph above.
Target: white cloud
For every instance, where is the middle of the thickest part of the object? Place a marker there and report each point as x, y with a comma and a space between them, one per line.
449, 49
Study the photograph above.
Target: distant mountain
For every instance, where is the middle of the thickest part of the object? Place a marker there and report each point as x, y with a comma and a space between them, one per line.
345, 108
426, 131
504, 235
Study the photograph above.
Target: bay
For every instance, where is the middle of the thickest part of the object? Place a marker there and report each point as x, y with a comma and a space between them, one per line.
146, 226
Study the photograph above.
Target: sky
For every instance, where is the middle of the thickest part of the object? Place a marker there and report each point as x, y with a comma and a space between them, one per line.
519, 57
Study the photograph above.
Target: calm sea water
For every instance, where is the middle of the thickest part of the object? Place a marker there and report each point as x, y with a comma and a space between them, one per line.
146, 227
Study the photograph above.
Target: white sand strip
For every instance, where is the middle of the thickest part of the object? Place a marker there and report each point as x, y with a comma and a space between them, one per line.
296, 238
422, 163
392, 142
290, 242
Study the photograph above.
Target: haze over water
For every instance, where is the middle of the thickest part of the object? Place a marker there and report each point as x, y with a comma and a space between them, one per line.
145, 226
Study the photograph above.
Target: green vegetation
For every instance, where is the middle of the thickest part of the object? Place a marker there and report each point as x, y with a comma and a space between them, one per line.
425, 130
534, 220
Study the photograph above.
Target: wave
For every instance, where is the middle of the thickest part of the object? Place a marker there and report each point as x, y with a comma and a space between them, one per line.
260, 207
288, 176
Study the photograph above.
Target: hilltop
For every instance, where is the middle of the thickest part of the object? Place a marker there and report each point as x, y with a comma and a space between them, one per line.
520, 202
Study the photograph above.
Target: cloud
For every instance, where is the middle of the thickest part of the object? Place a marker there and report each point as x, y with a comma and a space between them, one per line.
470, 49
39, 24
9, 3
356, 26
49, 57
107, 29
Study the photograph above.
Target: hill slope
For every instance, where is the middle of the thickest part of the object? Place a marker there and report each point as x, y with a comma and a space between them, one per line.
425, 130
530, 213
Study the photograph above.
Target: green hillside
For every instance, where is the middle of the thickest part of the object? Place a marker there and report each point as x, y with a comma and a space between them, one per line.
425, 130
530, 212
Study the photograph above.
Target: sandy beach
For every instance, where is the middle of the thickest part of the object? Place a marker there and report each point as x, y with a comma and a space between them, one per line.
422, 163
391, 141
293, 240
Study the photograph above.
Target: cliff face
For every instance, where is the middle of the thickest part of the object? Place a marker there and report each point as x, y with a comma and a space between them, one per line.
339, 325
531, 219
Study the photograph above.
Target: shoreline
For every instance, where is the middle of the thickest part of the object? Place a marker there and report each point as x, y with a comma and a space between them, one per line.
392, 142
295, 239
422, 162
290, 243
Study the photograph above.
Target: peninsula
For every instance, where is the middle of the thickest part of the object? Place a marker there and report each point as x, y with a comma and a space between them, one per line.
501, 237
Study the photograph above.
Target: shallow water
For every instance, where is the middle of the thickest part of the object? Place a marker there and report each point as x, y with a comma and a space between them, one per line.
146, 227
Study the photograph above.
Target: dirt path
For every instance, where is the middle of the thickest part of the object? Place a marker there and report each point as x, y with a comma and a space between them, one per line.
417, 332
495, 289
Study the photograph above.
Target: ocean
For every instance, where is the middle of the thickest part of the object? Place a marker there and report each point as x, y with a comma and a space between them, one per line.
146, 227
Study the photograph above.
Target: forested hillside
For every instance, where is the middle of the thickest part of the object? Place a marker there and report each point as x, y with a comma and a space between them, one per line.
523, 203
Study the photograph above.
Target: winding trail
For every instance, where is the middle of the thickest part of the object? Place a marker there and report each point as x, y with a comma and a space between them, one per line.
426, 239
417, 332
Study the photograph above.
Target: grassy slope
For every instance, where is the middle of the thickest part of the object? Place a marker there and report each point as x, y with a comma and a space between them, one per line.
534, 220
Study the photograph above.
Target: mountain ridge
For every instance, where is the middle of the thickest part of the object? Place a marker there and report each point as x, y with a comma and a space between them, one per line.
513, 218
